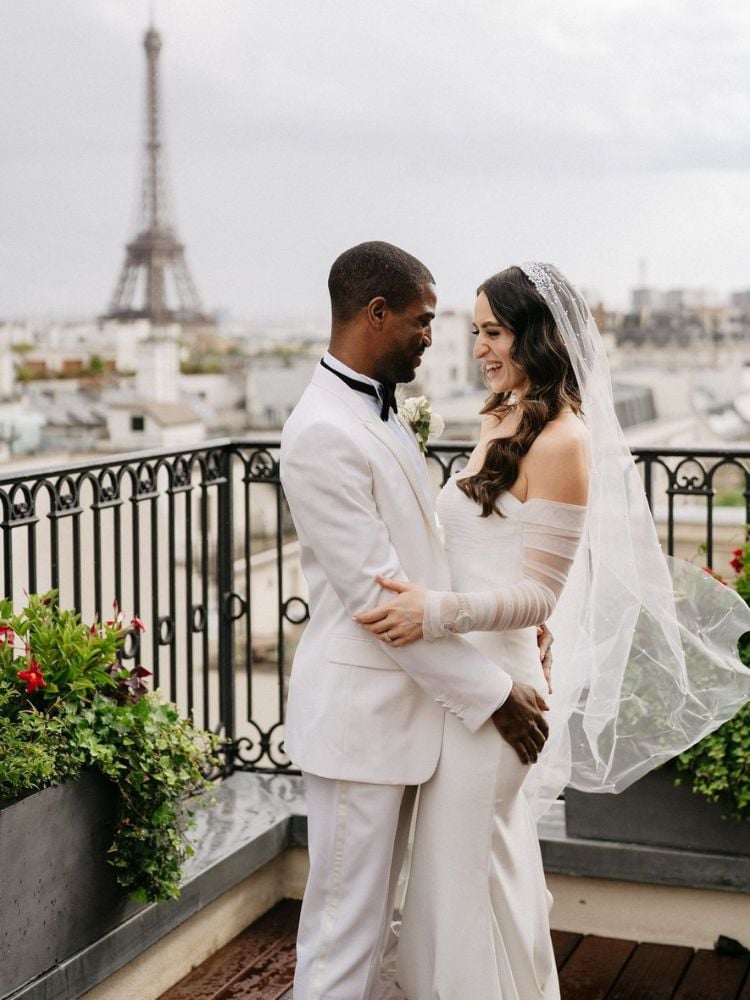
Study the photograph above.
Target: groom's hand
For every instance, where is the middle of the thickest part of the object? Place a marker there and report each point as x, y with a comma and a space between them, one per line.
520, 722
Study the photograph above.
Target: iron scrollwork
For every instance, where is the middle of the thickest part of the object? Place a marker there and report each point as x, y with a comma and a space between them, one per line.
191, 555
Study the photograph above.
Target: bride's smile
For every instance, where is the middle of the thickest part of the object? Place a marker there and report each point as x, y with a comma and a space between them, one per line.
493, 347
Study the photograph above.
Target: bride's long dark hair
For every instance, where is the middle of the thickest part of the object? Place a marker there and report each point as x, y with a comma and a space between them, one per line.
540, 352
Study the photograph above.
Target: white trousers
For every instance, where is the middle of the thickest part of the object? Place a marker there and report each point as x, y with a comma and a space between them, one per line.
357, 836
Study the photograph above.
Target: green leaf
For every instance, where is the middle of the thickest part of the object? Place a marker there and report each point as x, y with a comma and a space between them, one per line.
81, 720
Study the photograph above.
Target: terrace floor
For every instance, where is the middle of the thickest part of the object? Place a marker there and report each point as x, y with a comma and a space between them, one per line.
259, 965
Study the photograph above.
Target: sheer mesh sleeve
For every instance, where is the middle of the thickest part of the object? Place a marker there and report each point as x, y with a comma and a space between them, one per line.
551, 533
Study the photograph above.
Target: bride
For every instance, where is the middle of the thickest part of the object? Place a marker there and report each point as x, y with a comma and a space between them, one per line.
548, 509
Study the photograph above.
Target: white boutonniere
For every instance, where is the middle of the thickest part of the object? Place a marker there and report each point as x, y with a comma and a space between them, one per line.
417, 412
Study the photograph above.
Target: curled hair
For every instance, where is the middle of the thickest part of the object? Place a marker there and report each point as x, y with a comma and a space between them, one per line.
539, 351
368, 270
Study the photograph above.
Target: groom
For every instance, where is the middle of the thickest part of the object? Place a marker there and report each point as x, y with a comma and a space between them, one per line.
365, 721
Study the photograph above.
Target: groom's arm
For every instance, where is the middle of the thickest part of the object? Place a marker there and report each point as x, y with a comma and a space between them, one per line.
328, 483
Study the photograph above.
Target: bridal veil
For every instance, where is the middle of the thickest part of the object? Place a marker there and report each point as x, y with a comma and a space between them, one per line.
646, 659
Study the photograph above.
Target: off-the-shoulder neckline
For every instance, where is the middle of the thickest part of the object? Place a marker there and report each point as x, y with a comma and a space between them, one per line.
507, 495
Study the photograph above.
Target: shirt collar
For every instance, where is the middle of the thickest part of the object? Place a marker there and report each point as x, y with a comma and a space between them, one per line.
339, 366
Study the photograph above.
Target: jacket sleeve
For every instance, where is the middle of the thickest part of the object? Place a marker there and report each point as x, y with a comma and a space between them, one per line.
328, 483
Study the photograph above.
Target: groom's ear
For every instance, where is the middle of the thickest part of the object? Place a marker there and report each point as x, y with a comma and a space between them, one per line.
376, 309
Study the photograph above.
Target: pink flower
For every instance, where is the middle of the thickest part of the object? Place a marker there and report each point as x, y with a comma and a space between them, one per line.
33, 677
119, 615
138, 625
7, 635
737, 563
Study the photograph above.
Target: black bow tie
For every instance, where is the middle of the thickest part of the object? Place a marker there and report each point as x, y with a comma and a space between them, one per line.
387, 398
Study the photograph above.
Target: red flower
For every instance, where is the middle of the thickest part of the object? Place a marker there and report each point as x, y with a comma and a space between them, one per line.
138, 625
33, 677
7, 635
737, 563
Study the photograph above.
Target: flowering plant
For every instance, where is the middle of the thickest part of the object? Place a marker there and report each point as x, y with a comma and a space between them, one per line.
740, 563
53, 657
718, 766
417, 412
68, 703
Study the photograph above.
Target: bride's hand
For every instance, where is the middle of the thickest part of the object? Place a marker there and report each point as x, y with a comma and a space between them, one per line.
398, 622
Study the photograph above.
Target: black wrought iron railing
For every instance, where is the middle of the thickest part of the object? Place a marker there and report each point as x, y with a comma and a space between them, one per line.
697, 481
199, 544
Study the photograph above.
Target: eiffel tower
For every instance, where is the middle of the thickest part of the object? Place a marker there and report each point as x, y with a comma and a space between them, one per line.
155, 271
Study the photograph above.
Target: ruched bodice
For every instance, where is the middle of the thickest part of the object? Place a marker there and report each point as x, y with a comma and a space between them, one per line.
484, 553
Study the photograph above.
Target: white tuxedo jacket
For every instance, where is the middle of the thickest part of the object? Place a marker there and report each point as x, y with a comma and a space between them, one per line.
358, 709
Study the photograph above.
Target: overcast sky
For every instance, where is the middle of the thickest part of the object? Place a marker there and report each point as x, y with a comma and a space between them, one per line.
474, 134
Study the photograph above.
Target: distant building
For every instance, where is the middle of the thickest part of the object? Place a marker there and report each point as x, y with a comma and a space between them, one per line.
273, 386
645, 299
137, 424
20, 429
680, 299
74, 423
448, 367
673, 300
218, 398
155, 417
634, 405
66, 349
686, 319
157, 370
7, 374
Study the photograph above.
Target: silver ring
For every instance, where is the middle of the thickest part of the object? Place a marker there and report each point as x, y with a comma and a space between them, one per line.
388, 636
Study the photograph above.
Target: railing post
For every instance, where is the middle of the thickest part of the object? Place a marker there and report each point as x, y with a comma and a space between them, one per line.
225, 575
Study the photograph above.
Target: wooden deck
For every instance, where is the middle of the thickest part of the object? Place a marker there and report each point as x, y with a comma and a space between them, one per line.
259, 965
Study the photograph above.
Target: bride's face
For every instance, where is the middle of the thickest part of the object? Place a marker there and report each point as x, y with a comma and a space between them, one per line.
492, 347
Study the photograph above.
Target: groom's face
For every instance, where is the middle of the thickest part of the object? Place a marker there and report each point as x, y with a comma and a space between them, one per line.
406, 336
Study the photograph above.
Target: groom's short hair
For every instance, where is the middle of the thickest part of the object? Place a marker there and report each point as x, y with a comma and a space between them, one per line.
371, 269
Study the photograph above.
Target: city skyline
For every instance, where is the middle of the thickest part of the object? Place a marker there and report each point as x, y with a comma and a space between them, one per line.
474, 138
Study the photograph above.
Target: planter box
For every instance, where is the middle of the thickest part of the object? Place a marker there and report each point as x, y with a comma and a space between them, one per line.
655, 813
58, 891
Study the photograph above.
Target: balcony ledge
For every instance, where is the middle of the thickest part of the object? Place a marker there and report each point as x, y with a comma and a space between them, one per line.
627, 862
254, 818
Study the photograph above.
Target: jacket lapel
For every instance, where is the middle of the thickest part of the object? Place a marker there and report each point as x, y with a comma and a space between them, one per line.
360, 406
381, 432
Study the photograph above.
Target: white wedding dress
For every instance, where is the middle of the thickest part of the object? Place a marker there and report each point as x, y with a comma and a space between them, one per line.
475, 921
